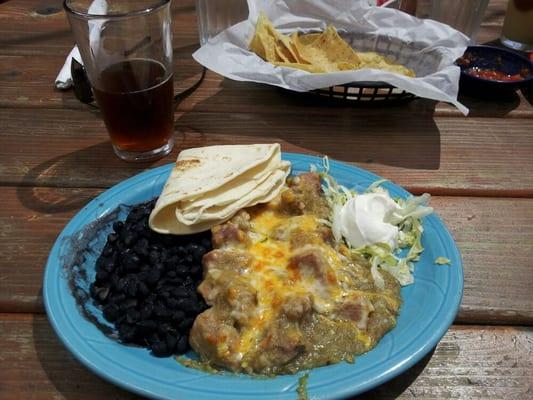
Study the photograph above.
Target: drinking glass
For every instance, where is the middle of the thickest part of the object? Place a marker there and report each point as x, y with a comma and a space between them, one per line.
517, 30
126, 47
465, 16
216, 15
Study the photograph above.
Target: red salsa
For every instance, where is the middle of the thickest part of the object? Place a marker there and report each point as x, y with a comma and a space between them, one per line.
493, 75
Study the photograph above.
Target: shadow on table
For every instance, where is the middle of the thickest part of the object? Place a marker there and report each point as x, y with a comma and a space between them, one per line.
489, 104
65, 171
401, 135
395, 387
71, 379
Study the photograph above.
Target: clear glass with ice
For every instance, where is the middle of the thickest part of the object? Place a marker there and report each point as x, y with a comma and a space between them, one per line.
216, 15
465, 16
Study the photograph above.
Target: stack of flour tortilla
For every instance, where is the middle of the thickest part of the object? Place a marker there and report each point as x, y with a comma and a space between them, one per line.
208, 185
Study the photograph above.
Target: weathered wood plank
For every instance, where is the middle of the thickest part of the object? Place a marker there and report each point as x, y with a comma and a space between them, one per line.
492, 252
470, 362
27, 81
39, 27
477, 156
495, 238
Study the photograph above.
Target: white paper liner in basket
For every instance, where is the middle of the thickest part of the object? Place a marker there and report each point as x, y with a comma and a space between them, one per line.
428, 47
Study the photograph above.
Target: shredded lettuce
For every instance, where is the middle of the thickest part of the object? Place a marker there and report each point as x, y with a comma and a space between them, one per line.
380, 255
376, 275
442, 261
413, 207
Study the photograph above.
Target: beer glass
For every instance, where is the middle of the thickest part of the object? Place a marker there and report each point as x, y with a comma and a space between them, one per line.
126, 47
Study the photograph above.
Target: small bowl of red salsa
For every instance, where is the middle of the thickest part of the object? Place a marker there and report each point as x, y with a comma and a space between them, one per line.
494, 67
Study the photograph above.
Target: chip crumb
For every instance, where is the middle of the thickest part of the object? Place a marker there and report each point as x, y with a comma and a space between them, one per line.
442, 261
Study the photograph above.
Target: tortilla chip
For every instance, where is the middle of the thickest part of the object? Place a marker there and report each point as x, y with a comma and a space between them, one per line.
264, 43
326, 50
309, 38
315, 52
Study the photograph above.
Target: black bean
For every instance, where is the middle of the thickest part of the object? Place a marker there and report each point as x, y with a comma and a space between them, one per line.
196, 269
129, 238
206, 244
93, 290
171, 262
111, 312
164, 254
159, 349
182, 345
174, 282
146, 326
132, 288
108, 250
180, 292
127, 332
154, 256
199, 307
187, 305
146, 282
131, 262
102, 275
189, 281
171, 274
109, 264
132, 315
141, 247
182, 270
128, 303
147, 310
153, 337
103, 293
165, 327
121, 285
172, 303
185, 325
177, 316
161, 311
117, 226
171, 342
143, 289
181, 251
153, 276
117, 298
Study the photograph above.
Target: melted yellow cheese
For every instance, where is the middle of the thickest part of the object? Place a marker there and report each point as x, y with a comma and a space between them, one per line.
273, 278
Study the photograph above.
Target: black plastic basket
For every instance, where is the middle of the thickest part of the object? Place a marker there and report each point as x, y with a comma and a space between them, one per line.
365, 93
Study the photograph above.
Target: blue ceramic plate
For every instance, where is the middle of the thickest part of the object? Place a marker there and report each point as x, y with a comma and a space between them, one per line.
429, 308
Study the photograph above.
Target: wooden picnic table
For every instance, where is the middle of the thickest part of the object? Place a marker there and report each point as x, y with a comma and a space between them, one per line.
55, 156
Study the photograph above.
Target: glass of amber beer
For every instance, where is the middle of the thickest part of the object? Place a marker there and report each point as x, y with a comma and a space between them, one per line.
126, 47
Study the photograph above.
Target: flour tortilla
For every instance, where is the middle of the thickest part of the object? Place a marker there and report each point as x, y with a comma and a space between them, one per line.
244, 196
248, 183
214, 176
203, 169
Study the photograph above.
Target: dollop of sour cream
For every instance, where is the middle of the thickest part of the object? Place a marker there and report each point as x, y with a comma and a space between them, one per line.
361, 220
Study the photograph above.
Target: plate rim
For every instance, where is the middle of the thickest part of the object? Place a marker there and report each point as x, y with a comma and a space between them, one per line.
349, 389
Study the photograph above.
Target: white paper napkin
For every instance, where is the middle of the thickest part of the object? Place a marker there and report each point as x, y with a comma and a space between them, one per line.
64, 78
430, 47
